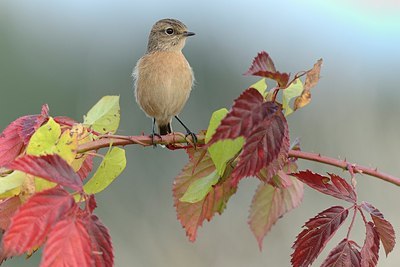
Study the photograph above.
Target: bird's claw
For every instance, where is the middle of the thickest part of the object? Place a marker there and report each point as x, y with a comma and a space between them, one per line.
194, 137
152, 138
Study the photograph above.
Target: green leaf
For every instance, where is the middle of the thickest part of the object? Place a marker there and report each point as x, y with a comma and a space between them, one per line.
199, 189
44, 139
43, 184
215, 120
294, 90
66, 146
11, 181
260, 86
113, 164
192, 215
222, 151
104, 116
47, 140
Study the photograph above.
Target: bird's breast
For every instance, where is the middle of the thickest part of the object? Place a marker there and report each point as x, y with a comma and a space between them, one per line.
163, 83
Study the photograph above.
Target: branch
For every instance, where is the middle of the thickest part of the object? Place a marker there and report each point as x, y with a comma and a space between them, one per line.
352, 168
176, 141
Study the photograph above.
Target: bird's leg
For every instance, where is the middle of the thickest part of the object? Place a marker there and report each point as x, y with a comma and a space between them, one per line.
188, 132
153, 132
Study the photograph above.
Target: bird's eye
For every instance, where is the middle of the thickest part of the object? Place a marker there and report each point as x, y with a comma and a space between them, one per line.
169, 31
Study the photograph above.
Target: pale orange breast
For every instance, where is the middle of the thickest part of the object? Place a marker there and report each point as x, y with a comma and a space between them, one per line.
163, 84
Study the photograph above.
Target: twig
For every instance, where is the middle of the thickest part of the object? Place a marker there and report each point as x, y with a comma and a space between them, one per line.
352, 221
178, 138
344, 165
115, 140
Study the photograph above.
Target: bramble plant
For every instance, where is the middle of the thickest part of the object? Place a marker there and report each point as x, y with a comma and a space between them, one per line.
47, 187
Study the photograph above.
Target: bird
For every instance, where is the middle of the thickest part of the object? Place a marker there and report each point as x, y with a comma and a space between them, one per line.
163, 78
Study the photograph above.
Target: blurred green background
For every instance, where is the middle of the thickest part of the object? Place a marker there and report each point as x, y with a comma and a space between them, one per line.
69, 54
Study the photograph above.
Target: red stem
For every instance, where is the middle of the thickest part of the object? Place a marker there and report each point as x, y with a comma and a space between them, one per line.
277, 88
344, 165
352, 221
178, 139
362, 214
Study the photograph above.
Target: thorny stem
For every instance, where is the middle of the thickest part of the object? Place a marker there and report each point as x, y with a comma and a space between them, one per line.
362, 214
352, 221
275, 93
344, 165
177, 141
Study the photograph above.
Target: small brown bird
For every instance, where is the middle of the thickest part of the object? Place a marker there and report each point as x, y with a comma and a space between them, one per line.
163, 76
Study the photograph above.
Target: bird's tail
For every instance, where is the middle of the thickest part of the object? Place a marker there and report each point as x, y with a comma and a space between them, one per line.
165, 129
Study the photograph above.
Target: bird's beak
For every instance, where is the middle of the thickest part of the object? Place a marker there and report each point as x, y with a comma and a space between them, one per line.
186, 34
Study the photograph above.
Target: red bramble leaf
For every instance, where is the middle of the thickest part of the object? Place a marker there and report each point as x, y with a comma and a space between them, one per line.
386, 233
192, 215
334, 186
29, 124
50, 167
34, 219
17, 135
45, 110
264, 66
371, 209
370, 250
7, 209
267, 146
92, 204
11, 143
68, 245
265, 129
383, 227
263, 62
101, 245
320, 229
282, 177
86, 167
247, 112
344, 254
270, 204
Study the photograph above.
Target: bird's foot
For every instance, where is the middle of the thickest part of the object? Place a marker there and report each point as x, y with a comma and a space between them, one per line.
194, 137
152, 138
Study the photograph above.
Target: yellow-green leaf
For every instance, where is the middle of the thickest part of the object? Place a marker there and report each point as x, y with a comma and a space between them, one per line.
222, 151
215, 120
66, 146
43, 184
294, 90
105, 115
47, 140
11, 193
260, 86
113, 164
199, 189
11, 181
44, 139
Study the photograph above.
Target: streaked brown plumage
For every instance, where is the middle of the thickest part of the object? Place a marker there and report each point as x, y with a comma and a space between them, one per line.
163, 77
